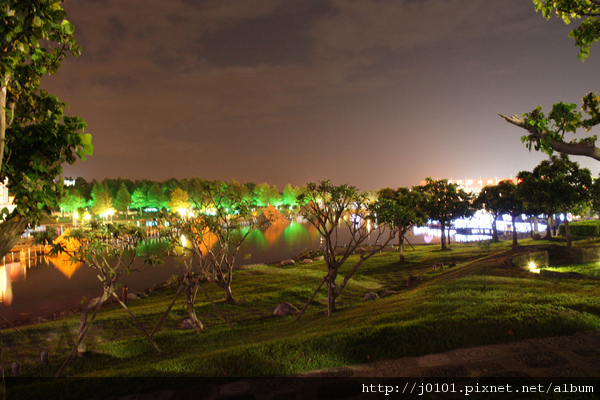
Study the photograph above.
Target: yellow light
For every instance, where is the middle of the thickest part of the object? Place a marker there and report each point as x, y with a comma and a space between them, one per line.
532, 268
75, 215
87, 216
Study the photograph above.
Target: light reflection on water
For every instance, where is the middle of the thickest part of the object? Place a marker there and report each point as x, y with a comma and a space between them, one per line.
42, 286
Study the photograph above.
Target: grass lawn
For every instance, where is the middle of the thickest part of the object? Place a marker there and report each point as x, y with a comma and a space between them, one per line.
589, 269
478, 302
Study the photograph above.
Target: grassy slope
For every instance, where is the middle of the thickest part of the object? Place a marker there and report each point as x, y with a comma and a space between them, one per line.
478, 302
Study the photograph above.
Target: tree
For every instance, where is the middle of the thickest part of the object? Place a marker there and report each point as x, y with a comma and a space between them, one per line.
123, 199
489, 199
156, 197
400, 208
209, 244
179, 201
35, 136
444, 202
330, 208
108, 251
510, 202
72, 200
101, 200
139, 199
537, 196
290, 195
547, 132
564, 183
588, 30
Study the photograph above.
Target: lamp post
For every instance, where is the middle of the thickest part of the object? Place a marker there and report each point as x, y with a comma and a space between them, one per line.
75, 216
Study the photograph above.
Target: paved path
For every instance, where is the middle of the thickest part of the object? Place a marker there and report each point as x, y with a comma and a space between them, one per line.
562, 356
557, 360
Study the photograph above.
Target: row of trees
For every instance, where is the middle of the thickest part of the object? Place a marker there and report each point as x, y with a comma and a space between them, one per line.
123, 195
555, 186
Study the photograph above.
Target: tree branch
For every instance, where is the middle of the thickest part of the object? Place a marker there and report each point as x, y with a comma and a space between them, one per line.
584, 148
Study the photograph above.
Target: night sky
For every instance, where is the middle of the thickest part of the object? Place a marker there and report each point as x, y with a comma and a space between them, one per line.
373, 93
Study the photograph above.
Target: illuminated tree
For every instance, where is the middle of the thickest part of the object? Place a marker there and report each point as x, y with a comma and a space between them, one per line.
123, 199
72, 200
444, 202
101, 200
331, 208
290, 195
139, 199
156, 197
400, 208
36, 138
267, 194
179, 200
547, 132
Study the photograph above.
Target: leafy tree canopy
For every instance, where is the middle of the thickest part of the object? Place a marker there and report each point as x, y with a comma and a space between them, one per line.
588, 30
35, 135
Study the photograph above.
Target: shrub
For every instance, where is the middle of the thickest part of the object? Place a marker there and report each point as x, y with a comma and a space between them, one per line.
586, 228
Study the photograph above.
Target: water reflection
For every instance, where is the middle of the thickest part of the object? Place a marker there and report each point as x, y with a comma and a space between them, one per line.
9, 272
56, 284
64, 264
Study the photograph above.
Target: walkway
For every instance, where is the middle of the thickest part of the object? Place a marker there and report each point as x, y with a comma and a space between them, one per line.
546, 364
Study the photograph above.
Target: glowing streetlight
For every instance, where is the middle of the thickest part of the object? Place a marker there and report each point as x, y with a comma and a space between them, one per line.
75, 216
532, 268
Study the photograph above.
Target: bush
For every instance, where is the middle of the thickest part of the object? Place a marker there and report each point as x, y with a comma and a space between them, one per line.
587, 228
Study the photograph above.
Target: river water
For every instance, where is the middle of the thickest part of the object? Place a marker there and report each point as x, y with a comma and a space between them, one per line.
41, 287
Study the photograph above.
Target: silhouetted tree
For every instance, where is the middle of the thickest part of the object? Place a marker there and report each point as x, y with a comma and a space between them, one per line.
401, 208
444, 202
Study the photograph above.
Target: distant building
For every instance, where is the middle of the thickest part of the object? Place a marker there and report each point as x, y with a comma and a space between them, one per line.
475, 185
6, 201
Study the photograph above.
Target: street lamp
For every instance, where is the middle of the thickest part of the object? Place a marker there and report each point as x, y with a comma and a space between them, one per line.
75, 216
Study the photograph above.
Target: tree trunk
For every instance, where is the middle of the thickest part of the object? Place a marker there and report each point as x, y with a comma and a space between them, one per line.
330, 292
196, 324
10, 232
567, 228
535, 224
515, 243
549, 228
228, 295
531, 227
443, 230
83, 322
495, 237
401, 248
3, 124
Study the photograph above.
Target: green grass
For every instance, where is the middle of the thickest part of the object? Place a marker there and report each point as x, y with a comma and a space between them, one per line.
478, 302
589, 269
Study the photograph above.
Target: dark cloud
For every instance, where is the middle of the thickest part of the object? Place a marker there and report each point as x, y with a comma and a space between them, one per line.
371, 92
